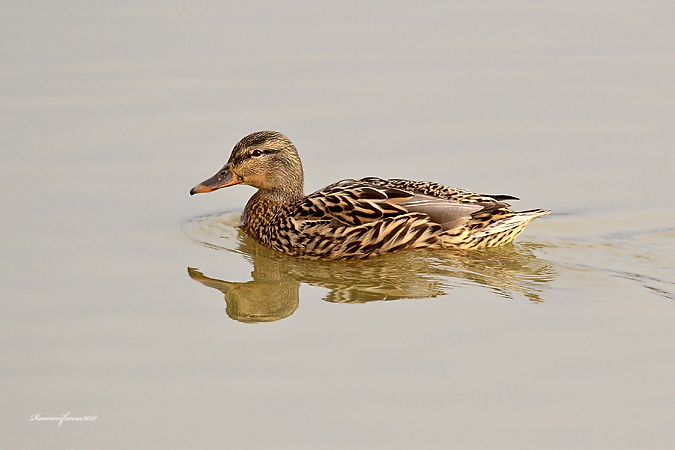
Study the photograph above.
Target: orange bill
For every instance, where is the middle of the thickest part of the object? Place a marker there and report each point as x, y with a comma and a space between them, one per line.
224, 178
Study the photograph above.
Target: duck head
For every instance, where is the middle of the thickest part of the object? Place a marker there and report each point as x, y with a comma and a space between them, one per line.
266, 160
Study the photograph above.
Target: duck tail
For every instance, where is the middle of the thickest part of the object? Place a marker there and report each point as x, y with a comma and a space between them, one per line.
506, 229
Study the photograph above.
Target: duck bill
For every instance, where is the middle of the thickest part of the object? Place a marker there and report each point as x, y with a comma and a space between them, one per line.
224, 178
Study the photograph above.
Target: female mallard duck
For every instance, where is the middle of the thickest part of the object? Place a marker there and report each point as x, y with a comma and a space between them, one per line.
357, 218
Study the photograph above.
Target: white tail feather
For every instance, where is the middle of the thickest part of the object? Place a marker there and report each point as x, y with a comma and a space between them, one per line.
516, 221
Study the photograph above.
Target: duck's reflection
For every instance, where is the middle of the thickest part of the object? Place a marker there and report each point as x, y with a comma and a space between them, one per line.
257, 300
273, 293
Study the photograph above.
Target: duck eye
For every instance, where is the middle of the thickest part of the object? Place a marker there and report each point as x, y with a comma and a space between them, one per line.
256, 153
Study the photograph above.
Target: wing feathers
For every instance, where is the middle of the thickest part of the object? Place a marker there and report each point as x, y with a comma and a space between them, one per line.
360, 218
355, 202
444, 212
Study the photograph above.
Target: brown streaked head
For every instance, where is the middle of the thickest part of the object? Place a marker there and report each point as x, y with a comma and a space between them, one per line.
266, 160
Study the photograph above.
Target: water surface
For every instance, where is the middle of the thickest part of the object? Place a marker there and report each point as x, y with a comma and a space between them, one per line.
129, 300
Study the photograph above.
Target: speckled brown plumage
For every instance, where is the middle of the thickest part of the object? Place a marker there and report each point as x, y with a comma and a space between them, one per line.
357, 218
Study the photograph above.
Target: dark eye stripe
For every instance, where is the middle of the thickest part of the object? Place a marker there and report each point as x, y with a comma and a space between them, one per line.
258, 152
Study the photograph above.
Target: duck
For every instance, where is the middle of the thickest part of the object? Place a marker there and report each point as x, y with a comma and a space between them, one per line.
357, 218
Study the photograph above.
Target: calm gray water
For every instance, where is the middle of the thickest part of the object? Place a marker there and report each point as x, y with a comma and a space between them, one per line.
126, 299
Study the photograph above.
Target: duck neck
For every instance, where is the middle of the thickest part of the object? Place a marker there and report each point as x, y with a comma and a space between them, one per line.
278, 197
281, 196
263, 208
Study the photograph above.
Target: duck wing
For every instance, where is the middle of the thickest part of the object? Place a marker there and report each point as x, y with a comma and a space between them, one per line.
447, 213
357, 202
351, 203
